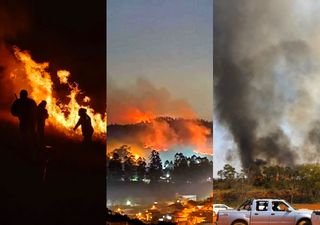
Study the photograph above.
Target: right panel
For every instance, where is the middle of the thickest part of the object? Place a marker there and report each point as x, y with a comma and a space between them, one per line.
266, 102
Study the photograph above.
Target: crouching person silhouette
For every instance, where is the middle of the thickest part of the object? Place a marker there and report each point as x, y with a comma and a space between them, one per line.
86, 127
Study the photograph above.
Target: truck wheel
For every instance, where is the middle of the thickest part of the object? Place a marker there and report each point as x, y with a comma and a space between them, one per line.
304, 222
240, 223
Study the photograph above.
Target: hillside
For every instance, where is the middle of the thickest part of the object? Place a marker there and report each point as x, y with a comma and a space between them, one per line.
73, 192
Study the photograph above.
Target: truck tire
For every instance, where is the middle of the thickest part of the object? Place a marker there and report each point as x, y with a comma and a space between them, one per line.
304, 222
240, 223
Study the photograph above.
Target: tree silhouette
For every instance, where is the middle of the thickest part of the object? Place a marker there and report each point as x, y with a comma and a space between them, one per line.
228, 172
180, 168
114, 169
141, 168
155, 166
129, 167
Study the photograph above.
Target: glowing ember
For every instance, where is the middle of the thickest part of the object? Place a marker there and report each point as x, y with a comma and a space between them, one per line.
63, 76
40, 86
86, 99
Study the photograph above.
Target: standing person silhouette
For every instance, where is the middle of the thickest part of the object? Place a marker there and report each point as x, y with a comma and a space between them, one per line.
25, 109
42, 115
86, 127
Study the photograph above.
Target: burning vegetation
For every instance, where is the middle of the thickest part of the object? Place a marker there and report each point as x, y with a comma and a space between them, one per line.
149, 118
162, 134
24, 73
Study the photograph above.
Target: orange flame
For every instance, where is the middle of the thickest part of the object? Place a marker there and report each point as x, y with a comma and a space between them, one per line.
61, 116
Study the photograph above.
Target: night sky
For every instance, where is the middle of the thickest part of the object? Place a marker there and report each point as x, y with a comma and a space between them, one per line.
70, 35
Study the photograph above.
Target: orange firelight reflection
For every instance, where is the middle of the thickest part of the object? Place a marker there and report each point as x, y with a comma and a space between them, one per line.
40, 86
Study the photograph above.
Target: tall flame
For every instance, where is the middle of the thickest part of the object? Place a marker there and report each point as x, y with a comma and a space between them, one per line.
61, 115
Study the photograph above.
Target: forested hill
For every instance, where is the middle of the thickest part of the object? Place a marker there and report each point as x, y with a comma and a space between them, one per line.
119, 130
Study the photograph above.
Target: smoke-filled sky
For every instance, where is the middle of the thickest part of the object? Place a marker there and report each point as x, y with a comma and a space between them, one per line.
167, 44
267, 79
69, 35
160, 64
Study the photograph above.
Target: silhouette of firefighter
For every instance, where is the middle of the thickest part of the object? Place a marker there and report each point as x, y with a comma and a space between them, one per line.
86, 127
25, 109
42, 115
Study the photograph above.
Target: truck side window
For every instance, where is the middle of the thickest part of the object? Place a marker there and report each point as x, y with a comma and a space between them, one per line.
279, 206
262, 206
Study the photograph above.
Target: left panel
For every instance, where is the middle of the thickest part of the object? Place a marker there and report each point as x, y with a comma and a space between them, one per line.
52, 112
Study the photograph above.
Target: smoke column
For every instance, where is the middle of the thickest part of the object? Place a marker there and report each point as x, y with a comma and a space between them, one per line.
266, 76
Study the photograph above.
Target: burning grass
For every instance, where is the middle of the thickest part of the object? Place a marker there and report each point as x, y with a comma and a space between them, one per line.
28, 74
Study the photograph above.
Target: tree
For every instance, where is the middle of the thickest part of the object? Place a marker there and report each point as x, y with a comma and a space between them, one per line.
168, 168
228, 172
129, 167
205, 168
123, 151
155, 166
180, 171
114, 169
309, 181
141, 168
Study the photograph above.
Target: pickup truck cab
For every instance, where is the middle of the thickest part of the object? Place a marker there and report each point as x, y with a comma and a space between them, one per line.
264, 212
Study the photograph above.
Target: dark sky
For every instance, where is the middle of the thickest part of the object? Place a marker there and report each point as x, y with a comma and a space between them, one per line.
70, 35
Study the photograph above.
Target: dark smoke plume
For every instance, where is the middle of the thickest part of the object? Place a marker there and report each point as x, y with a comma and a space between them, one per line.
264, 74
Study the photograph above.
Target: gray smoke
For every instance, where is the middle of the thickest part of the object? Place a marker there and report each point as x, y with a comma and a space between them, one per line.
265, 75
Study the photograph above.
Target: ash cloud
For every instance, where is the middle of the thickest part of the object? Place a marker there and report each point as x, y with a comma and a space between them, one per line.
266, 66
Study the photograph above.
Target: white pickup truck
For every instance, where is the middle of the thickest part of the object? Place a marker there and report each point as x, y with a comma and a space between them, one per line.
264, 212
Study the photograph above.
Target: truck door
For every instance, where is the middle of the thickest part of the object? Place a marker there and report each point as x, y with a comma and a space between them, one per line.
261, 213
280, 214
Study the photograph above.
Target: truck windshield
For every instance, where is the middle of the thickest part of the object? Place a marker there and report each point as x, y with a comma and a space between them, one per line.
290, 205
246, 205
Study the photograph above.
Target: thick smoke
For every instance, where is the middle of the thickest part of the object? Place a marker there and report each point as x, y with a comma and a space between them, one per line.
143, 102
266, 66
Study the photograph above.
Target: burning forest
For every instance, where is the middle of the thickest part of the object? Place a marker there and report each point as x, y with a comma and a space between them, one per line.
157, 145
151, 119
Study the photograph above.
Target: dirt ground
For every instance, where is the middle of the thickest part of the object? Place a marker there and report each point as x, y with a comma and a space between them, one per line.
314, 206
